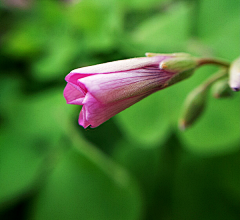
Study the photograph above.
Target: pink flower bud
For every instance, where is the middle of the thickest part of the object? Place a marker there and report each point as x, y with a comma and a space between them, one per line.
107, 89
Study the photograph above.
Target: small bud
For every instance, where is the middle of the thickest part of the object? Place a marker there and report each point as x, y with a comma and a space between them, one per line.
196, 101
234, 79
193, 107
221, 89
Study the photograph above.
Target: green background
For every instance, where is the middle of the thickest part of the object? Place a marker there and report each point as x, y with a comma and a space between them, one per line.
137, 165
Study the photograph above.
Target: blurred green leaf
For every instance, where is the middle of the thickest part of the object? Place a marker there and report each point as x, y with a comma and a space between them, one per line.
165, 32
58, 59
79, 189
146, 121
143, 4
154, 169
29, 135
221, 35
24, 41
200, 191
141, 161
20, 167
97, 22
229, 32
211, 14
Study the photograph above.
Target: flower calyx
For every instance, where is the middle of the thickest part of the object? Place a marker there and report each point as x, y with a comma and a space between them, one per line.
182, 64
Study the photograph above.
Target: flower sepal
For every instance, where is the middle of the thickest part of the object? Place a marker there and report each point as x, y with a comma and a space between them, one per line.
183, 66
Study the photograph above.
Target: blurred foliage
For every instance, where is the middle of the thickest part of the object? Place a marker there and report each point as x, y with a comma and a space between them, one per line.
137, 165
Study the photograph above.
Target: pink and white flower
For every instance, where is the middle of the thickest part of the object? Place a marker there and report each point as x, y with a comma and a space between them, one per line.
106, 89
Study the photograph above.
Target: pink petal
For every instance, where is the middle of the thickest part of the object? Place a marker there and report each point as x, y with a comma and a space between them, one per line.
120, 65
82, 118
95, 113
108, 88
72, 77
73, 95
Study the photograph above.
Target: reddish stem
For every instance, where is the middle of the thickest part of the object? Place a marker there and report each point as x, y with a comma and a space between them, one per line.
203, 61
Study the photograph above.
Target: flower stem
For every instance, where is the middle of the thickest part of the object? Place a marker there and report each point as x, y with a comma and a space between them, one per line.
218, 75
203, 61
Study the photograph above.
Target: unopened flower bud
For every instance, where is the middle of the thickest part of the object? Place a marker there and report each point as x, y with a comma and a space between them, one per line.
221, 89
234, 78
106, 89
193, 107
197, 99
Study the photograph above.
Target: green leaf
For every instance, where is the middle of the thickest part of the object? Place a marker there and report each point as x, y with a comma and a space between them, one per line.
78, 189
20, 167
146, 121
57, 61
29, 135
141, 161
205, 189
210, 16
166, 32
225, 41
221, 35
143, 4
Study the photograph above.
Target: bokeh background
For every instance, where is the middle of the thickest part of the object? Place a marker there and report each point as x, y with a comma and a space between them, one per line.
137, 165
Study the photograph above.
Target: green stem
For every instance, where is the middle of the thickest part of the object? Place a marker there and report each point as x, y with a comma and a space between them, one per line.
203, 61
218, 75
